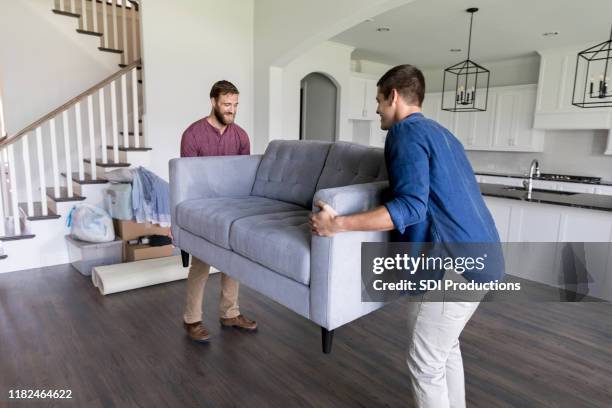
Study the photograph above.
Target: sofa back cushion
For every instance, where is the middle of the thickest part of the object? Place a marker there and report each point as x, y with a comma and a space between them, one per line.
289, 171
351, 163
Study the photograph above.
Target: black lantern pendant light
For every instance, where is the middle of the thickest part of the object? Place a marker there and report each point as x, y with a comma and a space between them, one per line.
592, 77
461, 82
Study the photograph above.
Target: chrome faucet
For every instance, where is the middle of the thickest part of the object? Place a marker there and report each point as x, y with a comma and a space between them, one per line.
534, 170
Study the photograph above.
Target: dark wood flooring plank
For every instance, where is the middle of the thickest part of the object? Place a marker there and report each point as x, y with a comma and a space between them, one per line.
129, 350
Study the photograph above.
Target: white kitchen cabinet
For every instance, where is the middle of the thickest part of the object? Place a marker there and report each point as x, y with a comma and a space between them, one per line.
362, 105
554, 109
513, 121
583, 235
432, 108
377, 135
506, 125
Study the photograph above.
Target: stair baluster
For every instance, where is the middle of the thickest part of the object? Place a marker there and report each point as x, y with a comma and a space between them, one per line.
4, 182
68, 5
135, 108
25, 150
115, 130
41, 171
79, 140
54, 161
68, 158
105, 30
103, 125
125, 58
2, 197
135, 24
94, 17
84, 20
13, 190
92, 137
113, 31
124, 111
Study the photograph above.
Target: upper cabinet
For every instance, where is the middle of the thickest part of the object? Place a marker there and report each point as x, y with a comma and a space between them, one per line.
554, 109
362, 98
506, 125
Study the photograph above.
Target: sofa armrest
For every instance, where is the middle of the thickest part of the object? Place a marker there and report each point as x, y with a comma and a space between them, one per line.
213, 176
335, 262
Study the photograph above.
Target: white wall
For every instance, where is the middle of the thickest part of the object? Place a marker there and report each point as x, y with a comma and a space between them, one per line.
187, 46
44, 61
283, 31
330, 59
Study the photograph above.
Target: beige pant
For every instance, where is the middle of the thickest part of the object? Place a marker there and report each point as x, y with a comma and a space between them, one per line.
196, 281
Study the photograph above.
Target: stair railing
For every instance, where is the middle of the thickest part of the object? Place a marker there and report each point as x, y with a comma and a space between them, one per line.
113, 104
116, 22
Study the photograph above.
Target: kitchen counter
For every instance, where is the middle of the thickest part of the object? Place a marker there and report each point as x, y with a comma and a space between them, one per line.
580, 200
523, 176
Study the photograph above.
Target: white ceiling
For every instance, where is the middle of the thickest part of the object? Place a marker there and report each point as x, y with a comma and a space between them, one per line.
423, 32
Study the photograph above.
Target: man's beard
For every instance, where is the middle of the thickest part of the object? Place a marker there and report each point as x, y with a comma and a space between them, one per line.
221, 118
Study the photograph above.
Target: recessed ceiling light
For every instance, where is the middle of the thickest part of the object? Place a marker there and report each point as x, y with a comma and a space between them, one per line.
383, 29
550, 33
455, 50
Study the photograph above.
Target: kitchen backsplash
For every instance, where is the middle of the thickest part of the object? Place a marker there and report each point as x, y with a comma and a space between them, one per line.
565, 151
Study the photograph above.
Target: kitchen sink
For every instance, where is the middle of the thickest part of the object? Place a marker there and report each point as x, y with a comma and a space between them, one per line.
540, 190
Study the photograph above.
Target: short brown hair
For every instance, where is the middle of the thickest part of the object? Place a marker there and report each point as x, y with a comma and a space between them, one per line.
221, 88
407, 79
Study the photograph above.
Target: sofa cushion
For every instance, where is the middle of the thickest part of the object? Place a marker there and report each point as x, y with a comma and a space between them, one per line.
289, 171
351, 163
211, 218
280, 242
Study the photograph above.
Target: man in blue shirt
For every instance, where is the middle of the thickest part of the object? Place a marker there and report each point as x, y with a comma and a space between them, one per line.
435, 198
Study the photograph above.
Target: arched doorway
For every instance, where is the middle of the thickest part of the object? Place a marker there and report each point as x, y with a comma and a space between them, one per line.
318, 108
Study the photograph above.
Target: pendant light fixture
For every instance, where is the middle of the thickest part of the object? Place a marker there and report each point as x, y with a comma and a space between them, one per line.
592, 76
465, 85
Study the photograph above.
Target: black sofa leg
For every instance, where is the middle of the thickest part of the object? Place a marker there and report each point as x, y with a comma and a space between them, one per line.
326, 339
185, 258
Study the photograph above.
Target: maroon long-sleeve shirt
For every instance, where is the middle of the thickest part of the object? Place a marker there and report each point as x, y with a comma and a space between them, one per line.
203, 139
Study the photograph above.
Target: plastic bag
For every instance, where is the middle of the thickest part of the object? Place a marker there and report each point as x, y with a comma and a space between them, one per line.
90, 223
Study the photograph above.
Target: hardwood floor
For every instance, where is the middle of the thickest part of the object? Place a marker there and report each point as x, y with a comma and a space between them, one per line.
129, 350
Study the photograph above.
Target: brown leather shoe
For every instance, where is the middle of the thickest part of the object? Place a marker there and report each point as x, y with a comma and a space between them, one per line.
197, 332
239, 322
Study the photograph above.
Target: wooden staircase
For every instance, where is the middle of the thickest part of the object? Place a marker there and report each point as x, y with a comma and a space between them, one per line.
95, 132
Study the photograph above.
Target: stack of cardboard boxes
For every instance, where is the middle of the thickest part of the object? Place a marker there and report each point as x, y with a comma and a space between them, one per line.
132, 230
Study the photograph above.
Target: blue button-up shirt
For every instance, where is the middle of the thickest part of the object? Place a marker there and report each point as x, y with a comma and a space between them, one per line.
434, 193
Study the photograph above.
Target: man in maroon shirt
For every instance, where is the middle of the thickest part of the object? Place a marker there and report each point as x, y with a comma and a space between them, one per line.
214, 135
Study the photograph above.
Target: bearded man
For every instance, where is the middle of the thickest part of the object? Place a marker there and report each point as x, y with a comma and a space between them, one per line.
214, 135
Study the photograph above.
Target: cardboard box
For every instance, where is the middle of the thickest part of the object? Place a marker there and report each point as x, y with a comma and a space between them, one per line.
139, 252
132, 230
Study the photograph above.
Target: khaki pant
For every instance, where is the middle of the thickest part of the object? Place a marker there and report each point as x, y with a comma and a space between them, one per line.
196, 281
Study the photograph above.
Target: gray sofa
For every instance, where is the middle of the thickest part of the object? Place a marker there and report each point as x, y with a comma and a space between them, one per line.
248, 217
